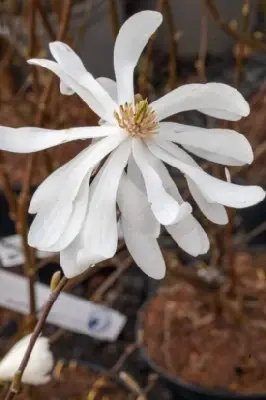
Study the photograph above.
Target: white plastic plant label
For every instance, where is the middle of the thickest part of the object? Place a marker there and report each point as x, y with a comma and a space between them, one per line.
11, 253
68, 312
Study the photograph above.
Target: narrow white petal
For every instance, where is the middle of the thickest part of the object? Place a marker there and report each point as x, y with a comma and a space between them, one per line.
65, 181
69, 81
68, 259
31, 139
49, 224
145, 251
164, 207
65, 90
214, 99
170, 186
215, 190
73, 66
100, 230
110, 86
134, 174
135, 208
223, 146
131, 40
213, 211
76, 219
190, 236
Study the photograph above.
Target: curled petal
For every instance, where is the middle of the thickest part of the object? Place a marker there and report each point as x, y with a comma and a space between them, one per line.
223, 146
100, 234
164, 207
145, 251
130, 42
135, 209
215, 190
214, 99
190, 236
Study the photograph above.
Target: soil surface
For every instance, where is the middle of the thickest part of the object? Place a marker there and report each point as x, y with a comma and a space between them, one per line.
75, 382
195, 343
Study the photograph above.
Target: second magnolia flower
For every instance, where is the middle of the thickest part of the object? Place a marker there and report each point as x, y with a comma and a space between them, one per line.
78, 218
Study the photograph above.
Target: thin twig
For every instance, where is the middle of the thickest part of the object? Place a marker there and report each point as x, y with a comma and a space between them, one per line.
121, 268
172, 46
231, 31
15, 385
7, 187
203, 47
45, 21
114, 17
31, 7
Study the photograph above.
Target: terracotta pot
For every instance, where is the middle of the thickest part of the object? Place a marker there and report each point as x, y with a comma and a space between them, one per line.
186, 19
183, 390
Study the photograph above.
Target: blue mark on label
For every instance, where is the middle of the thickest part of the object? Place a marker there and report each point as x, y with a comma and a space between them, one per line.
99, 320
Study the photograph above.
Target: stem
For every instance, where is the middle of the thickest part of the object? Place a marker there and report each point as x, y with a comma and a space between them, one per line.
172, 46
114, 17
203, 47
31, 11
226, 28
15, 385
22, 228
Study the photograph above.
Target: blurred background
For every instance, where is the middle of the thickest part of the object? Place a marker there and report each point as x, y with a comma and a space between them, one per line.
199, 41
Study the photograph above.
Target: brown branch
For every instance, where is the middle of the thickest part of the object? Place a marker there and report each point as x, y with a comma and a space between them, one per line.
231, 31
22, 228
240, 48
45, 21
114, 17
31, 7
121, 268
200, 64
172, 46
7, 188
15, 385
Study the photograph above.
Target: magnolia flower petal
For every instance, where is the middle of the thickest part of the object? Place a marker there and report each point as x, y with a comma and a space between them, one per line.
190, 236
145, 251
74, 67
100, 230
65, 90
215, 190
68, 259
214, 99
134, 174
215, 212
70, 82
31, 139
170, 186
76, 219
49, 224
38, 370
110, 86
164, 207
223, 146
130, 42
135, 209
227, 175
69, 177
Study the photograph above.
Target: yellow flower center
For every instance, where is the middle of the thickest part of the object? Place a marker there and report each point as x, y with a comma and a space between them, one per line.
138, 120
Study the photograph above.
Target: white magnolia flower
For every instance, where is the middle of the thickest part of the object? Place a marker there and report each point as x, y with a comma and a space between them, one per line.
79, 219
40, 364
